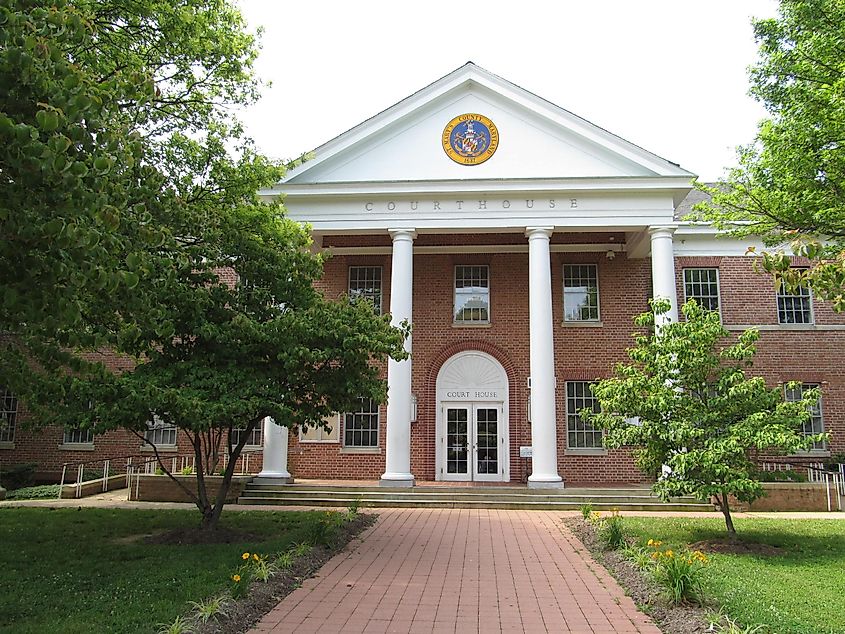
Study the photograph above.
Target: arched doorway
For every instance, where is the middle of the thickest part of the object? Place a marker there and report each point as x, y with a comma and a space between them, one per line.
472, 441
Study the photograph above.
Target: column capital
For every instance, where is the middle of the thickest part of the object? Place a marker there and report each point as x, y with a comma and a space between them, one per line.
662, 231
539, 232
399, 235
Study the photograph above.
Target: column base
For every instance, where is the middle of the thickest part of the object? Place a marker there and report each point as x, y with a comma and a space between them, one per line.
278, 477
547, 483
398, 480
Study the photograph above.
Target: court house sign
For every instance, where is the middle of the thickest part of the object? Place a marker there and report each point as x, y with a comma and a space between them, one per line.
470, 139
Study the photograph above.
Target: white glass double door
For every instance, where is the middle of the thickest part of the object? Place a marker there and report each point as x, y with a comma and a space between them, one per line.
474, 442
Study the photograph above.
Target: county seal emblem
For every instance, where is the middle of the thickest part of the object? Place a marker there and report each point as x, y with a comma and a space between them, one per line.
470, 139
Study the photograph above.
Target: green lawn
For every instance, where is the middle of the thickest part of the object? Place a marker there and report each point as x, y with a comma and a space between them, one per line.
800, 592
75, 570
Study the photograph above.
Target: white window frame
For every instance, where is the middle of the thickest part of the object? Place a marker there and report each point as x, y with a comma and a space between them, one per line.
258, 429
8, 417
782, 295
374, 410
157, 427
356, 292
687, 296
471, 322
572, 417
78, 437
597, 318
321, 436
791, 396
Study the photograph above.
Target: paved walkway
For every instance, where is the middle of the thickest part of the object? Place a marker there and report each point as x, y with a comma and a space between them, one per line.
439, 570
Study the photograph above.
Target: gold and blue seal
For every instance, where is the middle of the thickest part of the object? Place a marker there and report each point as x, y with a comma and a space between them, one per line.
470, 139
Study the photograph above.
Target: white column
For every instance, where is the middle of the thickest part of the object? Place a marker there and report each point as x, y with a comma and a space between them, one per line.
541, 342
398, 444
275, 463
663, 271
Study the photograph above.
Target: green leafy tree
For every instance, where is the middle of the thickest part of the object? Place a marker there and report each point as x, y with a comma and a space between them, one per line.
235, 351
789, 186
685, 402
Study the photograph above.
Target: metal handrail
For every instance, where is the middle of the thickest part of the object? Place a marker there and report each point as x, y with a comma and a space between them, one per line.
817, 474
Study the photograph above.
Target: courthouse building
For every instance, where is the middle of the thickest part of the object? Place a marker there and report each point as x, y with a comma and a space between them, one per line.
519, 241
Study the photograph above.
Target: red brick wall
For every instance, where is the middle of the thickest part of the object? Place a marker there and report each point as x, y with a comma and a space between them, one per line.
581, 353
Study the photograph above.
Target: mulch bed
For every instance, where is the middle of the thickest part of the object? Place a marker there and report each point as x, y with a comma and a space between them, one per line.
735, 547
242, 614
647, 595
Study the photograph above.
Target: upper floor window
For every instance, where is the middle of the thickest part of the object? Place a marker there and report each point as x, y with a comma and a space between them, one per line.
580, 292
472, 294
365, 282
360, 428
160, 433
8, 415
813, 425
795, 306
702, 285
580, 434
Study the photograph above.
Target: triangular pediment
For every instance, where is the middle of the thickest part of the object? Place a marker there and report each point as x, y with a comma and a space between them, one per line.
536, 139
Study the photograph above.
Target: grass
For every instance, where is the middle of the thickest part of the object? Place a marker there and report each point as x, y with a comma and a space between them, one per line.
89, 569
801, 591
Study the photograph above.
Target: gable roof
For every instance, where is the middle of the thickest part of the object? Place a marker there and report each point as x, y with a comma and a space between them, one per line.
373, 150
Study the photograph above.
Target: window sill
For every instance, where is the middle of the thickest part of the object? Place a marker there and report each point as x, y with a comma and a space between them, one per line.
76, 446
811, 453
7, 445
360, 450
582, 324
585, 452
466, 324
318, 442
161, 449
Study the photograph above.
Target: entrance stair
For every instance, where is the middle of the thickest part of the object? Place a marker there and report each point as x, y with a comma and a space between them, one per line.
266, 491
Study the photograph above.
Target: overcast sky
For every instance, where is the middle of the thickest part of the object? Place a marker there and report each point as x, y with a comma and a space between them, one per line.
668, 75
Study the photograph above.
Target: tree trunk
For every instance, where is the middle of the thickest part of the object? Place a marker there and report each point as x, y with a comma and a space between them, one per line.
726, 511
211, 515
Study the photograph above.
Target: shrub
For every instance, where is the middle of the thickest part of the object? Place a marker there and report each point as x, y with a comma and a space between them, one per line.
18, 475
679, 574
586, 511
611, 533
324, 531
209, 608
43, 492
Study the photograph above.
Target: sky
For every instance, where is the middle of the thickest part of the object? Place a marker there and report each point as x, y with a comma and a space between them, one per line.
667, 75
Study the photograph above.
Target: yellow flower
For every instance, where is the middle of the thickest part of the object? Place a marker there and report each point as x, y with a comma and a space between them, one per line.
245, 556
236, 578
655, 555
669, 553
255, 556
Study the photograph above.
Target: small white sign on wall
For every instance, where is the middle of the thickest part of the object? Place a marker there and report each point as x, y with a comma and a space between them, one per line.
526, 452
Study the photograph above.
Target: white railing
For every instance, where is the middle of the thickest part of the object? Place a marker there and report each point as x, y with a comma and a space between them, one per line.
833, 479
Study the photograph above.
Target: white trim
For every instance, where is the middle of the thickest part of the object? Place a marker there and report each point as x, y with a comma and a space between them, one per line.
482, 248
785, 327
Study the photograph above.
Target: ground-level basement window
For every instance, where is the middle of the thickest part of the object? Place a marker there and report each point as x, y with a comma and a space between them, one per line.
815, 424
580, 434
360, 428
8, 415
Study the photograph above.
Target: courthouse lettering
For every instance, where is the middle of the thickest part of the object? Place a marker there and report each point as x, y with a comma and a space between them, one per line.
469, 205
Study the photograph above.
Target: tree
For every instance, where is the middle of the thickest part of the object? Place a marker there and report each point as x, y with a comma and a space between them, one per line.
236, 351
685, 402
789, 187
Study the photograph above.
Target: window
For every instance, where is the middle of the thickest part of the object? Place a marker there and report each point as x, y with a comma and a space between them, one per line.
160, 433
253, 438
8, 415
360, 428
702, 285
813, 425
581, 435
318, 434
78, 436
472, 294
365, 282
580, 292
795, 305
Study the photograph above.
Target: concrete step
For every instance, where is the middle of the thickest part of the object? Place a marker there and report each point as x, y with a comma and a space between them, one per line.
268, 484
410, 502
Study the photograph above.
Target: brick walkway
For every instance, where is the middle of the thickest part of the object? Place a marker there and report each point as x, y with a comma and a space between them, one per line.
435, 570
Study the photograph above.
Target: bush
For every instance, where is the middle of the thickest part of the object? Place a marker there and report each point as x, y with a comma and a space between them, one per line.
679, 574
586, 511
324, 531
611, 533
18, 475
43, 492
